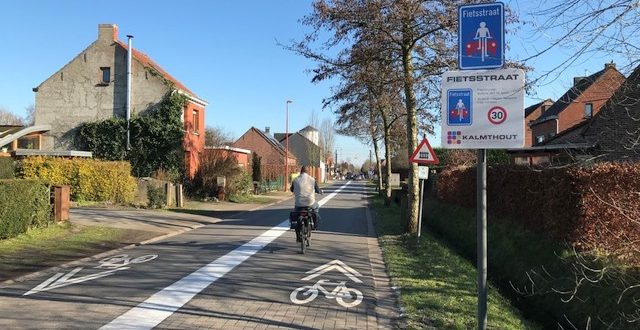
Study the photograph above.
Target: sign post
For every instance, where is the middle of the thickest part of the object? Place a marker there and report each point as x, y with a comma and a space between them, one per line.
484, 109
423, 154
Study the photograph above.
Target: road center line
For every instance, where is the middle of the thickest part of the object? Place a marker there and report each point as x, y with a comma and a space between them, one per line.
165, 302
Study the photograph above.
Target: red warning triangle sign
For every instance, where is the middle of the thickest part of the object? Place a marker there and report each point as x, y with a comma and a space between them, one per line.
424, 154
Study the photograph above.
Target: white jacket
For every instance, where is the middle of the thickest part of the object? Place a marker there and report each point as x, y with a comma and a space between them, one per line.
304, 188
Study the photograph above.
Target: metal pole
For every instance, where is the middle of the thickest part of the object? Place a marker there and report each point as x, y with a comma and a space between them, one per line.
286, 151
129, 74
482, 237
420, 211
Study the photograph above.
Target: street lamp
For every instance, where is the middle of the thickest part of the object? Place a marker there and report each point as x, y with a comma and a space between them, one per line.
286, 150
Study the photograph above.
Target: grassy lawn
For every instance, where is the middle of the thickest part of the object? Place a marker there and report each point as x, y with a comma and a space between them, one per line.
437, 286
59, 243
250, 199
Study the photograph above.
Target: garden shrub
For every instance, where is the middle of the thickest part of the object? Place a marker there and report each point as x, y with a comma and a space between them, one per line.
156, 138
6, 168
90, 179
24, 204
594, 208
552, 283
215, 163
157, 196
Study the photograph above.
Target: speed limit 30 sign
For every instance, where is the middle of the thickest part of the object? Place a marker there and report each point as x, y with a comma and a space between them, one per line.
483, 109
497, 115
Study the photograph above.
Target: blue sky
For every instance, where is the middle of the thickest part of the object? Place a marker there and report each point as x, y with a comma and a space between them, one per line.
224, 51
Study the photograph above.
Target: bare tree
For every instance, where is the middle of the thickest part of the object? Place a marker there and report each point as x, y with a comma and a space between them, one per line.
30, 117
9, 118
216, 137
587, 29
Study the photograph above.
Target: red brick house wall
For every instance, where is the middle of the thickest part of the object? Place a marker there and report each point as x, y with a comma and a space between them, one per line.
529, 138
597, 94
193, 137
272, 157
242, 158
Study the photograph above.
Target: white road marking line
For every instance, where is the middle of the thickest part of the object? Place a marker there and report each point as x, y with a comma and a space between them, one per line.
162, 304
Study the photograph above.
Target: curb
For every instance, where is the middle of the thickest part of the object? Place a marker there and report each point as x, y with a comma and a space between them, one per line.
388, 308
100, 255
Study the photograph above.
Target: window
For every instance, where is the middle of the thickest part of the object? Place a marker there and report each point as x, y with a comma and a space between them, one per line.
106, 75
196, 122
588, 110
539, 139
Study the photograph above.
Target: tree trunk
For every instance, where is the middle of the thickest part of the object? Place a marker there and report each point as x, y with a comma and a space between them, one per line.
376, 150
387, 156
410, 103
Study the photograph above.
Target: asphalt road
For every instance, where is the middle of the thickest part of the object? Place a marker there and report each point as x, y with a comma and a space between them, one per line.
244, 272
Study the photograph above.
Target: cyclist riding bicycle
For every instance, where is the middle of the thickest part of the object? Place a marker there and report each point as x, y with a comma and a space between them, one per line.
305, 188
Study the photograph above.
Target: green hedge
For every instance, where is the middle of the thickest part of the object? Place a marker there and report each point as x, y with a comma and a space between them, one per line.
540, 275
6, 168
24, 204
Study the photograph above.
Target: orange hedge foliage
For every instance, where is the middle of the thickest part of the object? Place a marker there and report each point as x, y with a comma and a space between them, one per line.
596, 208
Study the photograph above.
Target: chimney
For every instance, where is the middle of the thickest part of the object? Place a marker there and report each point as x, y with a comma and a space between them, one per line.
107, 32
610, 65
266, 130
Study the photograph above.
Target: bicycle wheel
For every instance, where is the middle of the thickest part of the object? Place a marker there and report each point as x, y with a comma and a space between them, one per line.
349, 297
303, 239
144, 258
307, 290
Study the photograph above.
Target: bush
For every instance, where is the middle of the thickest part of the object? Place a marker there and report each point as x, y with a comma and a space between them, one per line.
24, 204
6, 168
156, 138
590, 208
157, 196
550, 282
215, 163
90, 179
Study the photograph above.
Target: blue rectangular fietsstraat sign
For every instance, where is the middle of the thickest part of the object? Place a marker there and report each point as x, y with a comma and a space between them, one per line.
481, 36
459, 107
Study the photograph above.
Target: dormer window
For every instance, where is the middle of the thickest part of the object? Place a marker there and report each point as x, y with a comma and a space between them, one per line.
106, 75
588, 110
540, 139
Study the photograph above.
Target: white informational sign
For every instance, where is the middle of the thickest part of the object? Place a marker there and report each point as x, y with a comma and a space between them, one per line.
395, 180
423, 172
483, 109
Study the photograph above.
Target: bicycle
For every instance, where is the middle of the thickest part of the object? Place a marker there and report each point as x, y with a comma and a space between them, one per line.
347, 297
123, 260
303, 225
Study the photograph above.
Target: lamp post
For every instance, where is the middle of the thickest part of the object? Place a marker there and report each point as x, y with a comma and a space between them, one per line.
286, 150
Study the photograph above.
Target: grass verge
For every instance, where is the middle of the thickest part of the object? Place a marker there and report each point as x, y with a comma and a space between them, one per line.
41, 248
250, 199
437, 286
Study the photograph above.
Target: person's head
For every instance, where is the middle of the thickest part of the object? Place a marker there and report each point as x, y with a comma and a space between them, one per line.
303, 169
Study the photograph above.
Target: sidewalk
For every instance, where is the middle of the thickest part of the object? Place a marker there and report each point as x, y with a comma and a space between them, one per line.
171, 221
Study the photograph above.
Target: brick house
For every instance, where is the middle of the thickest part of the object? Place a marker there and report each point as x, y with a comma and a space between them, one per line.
567, 115
531, 113
304, 145
582, 101
93, 86
271, 151
242, 156
613, 133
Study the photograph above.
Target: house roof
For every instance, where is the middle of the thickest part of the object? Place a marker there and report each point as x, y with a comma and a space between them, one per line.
15, 133
571, 95
269, 139
146, 61
628, 92
528, 110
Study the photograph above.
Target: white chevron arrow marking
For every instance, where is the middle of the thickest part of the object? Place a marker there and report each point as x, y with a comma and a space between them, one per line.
334, 265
